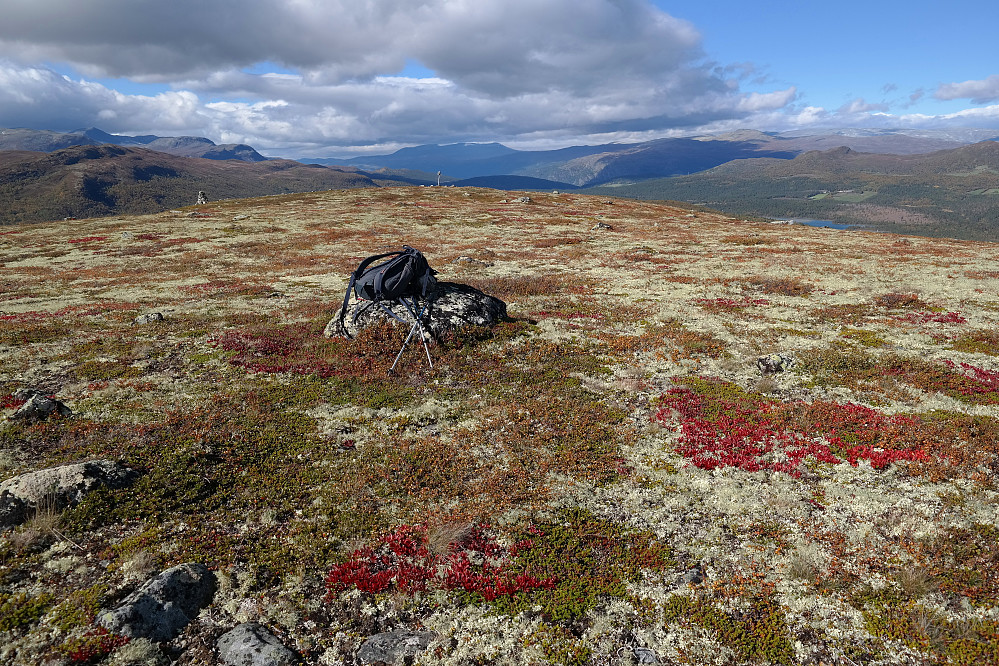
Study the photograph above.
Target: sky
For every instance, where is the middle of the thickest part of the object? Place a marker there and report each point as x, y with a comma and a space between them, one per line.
335, 78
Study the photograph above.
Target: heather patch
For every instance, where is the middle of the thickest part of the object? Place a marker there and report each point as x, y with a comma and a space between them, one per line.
723, 426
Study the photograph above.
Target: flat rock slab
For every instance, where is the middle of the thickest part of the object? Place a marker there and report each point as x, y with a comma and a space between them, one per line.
393, 647
251, 644
57, 488
164, 605
452, 307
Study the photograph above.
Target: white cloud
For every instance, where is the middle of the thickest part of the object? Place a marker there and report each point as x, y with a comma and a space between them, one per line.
498, 47
527, 72
38, 97
979, 92
861, 106
503, 69
756, 102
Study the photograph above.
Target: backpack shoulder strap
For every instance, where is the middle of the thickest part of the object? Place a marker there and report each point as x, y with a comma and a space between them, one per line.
353, 280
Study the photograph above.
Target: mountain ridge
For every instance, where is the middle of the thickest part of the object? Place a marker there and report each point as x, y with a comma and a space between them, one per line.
99, 180
952, 192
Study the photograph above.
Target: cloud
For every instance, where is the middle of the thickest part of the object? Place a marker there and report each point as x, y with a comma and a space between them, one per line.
502, 70
861, 106
756, 102
497, 47
306, 78
39, 97
979, 92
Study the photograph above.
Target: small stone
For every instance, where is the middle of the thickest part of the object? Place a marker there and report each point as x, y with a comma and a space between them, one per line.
772, 364
251, 644
645, 655
470, 261
692, 576
524, 200
58, 488
240, 217
600, 225
148, 318
393, 647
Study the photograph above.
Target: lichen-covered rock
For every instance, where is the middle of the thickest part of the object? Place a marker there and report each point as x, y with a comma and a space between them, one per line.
452, 307
38, 406
164, 605
250, 644
58, 487
392, 647
148, 318
772, 364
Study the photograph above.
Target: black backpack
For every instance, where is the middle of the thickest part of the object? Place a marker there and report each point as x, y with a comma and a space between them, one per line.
404, 274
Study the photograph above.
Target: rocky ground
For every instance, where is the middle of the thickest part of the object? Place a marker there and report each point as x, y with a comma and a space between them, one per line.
695, 440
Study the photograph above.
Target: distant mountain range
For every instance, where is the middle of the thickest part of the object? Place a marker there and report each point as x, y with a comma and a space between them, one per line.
918, 181
94, 181
952, 193
588, 166
183, 146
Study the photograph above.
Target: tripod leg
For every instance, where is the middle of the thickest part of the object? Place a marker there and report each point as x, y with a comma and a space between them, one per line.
423, 339
406, 342
417, 317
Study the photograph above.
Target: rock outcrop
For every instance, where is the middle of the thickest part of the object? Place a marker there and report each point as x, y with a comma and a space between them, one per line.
452, 307
164, 605
57, 488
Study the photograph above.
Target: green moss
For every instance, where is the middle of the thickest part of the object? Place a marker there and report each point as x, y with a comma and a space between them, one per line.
945, 641
863, 337
79, 609
18, 611
984, 341
559, 646
104, 370
590, 559
758, 634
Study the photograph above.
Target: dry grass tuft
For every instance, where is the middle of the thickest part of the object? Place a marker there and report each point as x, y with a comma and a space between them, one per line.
448, 536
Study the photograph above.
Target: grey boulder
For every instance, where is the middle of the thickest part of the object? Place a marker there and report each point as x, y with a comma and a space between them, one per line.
57, 488
251, 644
38, 406
452, 307
164, 605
